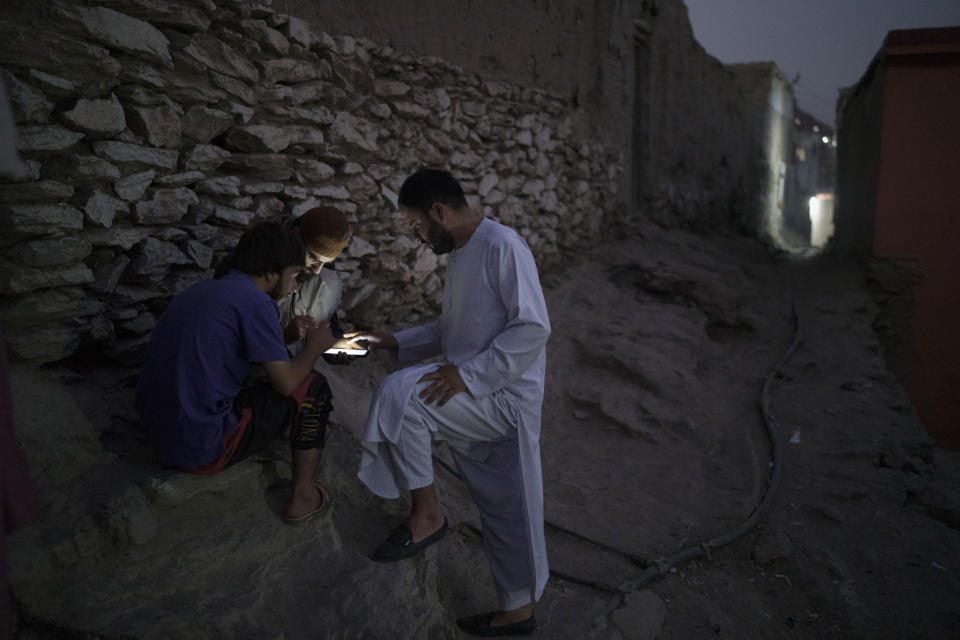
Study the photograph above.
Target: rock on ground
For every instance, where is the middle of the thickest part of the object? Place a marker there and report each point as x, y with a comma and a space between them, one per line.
652, 443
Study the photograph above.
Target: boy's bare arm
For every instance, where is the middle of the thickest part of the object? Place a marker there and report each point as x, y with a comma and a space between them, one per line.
286, 375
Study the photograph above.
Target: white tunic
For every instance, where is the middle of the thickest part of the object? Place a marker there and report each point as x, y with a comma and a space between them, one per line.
318, 296
494, 328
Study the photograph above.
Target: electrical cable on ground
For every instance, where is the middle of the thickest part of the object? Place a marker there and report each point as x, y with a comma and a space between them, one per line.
776, 453
665, 564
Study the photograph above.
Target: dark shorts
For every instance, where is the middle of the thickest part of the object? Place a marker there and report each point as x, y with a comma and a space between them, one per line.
264, 415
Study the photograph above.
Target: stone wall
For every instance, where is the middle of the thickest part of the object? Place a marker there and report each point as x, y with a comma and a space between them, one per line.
580, 50
693, 140
156, 131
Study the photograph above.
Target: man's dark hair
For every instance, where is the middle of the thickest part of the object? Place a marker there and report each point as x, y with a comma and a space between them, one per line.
268, 247
427, 186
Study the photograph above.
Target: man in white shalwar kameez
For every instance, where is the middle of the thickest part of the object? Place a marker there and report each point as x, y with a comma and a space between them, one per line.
484, 399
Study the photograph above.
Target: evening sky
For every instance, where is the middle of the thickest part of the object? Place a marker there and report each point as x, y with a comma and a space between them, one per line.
830, 43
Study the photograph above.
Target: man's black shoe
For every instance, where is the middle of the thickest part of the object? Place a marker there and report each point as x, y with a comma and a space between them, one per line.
399, 545
479, 625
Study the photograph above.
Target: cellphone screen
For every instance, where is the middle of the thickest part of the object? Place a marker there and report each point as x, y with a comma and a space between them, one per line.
349, 352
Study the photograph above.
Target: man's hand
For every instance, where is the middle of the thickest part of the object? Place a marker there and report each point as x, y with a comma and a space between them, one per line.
372, 339
296, 329
286, 375
319, 337
447, 383
340, 358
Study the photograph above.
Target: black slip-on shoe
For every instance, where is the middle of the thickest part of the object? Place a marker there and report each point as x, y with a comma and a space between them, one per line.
399, 545
479, 625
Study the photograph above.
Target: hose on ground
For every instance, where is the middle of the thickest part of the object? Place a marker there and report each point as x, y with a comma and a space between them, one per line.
776, 453
662, 566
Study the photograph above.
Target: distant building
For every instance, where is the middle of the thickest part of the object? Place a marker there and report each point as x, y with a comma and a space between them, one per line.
898, 201
808, 206
773, 103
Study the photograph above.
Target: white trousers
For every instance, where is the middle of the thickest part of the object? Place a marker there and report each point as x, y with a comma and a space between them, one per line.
482, 434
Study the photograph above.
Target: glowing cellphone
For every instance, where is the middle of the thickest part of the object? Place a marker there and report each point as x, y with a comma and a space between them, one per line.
358, 353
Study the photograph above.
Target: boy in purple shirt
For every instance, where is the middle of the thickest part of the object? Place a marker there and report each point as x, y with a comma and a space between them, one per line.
192, 397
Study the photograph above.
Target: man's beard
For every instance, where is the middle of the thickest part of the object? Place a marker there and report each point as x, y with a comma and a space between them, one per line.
277, 292
439, 238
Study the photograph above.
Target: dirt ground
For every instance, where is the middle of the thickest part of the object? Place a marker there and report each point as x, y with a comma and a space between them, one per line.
654, 444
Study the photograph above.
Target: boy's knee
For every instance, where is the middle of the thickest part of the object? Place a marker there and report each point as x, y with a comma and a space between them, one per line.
310, 426
310, 430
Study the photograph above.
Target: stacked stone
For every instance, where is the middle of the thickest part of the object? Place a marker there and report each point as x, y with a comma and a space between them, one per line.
155, 131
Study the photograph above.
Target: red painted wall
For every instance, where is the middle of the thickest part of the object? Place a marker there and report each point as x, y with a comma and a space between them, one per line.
918, 213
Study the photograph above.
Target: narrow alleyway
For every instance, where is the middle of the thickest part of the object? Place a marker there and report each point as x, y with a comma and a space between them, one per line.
652, 442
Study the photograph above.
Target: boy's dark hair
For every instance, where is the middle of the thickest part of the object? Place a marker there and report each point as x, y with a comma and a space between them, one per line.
268, 247
427, 186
